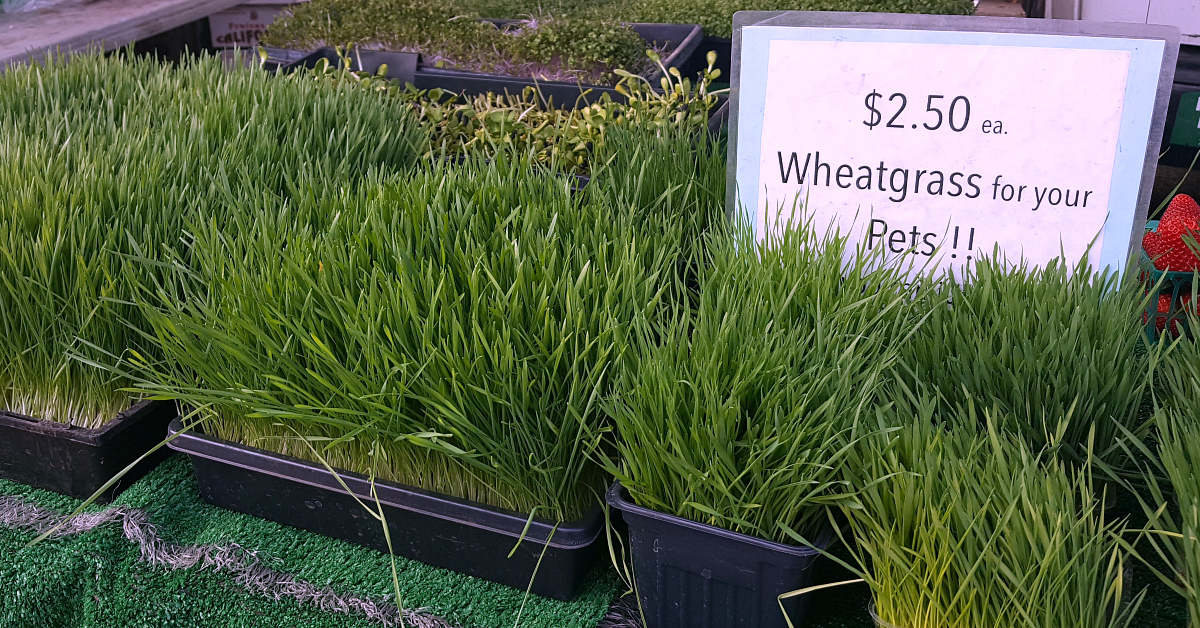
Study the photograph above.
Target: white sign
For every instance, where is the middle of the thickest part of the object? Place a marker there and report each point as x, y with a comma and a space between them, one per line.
946, 144
242, 26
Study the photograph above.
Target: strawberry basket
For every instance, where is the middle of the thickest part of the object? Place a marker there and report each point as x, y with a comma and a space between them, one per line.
1170, 309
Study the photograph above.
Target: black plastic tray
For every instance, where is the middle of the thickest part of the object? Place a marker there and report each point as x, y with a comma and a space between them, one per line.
400, 65
685, 39
406, 66
698, 61
692, 574
77, 461
560, 94
435, 529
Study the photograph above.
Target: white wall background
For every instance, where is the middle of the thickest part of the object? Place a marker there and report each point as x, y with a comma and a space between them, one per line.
1184, 14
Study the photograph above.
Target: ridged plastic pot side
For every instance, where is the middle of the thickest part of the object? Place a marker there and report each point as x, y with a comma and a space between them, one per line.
693, 574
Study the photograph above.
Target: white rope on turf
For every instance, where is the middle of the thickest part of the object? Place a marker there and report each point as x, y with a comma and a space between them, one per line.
245, 566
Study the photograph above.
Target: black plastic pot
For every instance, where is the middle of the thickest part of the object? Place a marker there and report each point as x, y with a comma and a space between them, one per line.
684, 41
719, 118
692, 574
723, 46
77, 461
435, 529
559, 93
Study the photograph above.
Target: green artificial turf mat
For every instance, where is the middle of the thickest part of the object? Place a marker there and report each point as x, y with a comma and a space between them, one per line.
96, 578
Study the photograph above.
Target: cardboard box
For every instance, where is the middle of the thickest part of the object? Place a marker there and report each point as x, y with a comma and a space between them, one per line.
243, 25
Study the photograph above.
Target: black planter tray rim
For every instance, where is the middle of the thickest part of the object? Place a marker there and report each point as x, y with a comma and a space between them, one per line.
542, 532
618, 497
401, 66
91, 436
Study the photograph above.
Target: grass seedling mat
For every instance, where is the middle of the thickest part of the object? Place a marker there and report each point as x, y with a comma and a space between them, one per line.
105, 159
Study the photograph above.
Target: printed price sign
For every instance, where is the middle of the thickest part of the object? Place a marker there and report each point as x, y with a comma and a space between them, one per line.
945, 137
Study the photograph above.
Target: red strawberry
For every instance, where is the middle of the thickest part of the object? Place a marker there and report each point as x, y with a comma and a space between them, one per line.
1178, 258
1167, 247
1151, 244
1183, 214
